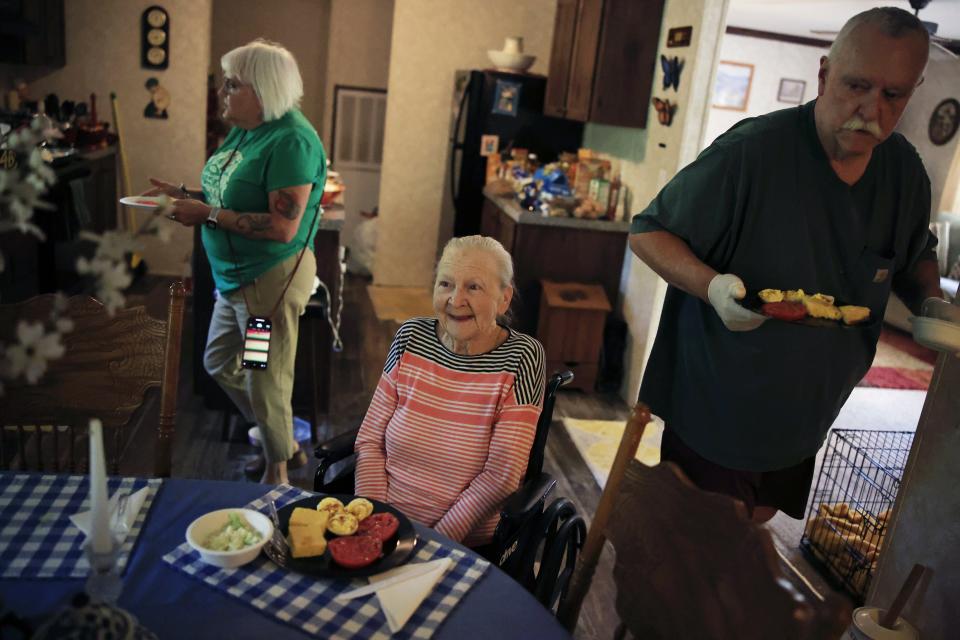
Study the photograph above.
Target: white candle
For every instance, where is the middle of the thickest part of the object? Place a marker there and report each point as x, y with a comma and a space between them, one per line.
100, 539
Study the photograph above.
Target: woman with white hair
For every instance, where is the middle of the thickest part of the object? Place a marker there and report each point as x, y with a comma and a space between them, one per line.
259, 204
448, 433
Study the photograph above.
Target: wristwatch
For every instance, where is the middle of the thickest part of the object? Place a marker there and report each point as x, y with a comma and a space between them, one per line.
183, 190
212, 217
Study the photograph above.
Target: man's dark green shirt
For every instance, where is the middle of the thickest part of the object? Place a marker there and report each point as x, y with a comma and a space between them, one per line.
762, 202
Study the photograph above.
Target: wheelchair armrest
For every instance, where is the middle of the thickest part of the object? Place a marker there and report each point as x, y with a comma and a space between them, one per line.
336, 449
528, 498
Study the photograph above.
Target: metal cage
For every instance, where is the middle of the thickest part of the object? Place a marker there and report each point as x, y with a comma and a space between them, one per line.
851, 503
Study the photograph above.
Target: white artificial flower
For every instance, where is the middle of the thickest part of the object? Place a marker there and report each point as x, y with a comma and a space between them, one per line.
112, 245
165, 232
164, 205
116, 276
112, 277
29, 357
112, 299
41, 168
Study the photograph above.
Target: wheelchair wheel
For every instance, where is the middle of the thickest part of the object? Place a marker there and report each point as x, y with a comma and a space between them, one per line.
564, 534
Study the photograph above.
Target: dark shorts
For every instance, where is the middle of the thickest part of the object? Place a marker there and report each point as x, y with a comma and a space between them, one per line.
784, 489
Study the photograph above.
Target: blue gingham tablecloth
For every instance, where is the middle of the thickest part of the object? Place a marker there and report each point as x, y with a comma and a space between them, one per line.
37, 539
307, 602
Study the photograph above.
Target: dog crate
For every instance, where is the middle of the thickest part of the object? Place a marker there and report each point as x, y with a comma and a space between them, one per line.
851, 504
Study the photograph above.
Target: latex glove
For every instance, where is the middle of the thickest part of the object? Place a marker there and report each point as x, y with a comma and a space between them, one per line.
723, 293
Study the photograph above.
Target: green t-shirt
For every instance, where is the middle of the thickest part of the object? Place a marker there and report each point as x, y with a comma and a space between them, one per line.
762, 202
286, 152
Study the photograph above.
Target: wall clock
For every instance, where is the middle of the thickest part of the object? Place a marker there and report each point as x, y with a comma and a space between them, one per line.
155, 38
944, 121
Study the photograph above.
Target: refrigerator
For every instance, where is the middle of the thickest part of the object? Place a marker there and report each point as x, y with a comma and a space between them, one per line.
509, 106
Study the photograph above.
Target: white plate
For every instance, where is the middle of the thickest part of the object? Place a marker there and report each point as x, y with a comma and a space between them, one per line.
141, 202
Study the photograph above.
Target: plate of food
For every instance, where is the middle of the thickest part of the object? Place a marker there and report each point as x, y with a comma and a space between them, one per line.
343, 536
815, 310
142, 202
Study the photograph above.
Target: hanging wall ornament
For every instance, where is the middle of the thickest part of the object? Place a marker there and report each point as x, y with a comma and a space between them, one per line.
671, 72
665, 111
159, 100
679, 36
944, 121
155, 38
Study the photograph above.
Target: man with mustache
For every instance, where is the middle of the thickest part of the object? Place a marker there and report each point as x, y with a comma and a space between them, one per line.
823, 197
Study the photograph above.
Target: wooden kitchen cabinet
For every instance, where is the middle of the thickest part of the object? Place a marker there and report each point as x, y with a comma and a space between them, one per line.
32, 33
561, 250
603, 60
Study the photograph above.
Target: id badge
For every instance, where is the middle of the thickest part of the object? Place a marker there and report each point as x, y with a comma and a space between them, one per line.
256, 343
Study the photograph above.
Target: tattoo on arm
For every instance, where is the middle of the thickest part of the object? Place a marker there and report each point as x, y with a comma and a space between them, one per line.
286, 205
254, 225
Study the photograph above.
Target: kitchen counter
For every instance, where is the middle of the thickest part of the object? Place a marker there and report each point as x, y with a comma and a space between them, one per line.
332, 218
556, 249
518, 214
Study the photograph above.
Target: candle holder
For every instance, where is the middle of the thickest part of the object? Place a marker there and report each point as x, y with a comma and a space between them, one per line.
104, 584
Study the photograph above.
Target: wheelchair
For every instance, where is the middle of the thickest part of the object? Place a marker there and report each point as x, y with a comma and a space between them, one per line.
535, 544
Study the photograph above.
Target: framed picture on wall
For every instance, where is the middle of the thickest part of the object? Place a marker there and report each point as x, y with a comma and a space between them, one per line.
791, 91
731, 90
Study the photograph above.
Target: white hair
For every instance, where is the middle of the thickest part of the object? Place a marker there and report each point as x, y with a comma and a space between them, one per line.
482, 243
892, 21
272, 72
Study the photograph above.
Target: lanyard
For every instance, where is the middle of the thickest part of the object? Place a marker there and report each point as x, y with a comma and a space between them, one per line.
233, 253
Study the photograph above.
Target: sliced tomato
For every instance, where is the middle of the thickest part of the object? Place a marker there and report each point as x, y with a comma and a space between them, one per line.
355, 552
790, 311
382, 525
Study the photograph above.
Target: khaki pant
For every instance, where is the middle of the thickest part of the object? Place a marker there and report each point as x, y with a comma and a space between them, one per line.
262, 396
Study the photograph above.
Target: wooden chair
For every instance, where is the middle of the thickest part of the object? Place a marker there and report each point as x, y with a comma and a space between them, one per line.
690, 564
108, 364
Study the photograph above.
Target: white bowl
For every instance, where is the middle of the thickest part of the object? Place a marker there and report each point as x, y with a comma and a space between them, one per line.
936, 334
207, 524
511, 61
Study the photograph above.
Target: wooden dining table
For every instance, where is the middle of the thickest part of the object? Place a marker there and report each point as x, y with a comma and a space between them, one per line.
173, 604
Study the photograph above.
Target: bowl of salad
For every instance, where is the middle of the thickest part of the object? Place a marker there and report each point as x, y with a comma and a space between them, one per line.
229, 537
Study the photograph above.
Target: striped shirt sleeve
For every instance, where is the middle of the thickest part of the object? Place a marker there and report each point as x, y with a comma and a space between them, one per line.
371, 473
513, 432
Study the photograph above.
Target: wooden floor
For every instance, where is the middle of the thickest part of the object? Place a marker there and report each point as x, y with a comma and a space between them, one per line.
201, 451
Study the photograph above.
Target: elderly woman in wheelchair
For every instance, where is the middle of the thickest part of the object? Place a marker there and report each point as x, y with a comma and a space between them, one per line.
450, 427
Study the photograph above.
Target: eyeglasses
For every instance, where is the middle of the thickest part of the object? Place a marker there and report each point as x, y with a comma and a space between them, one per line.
231, 86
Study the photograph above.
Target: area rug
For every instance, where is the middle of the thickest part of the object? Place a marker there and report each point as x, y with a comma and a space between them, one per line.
597, 442
399, 304
900, 363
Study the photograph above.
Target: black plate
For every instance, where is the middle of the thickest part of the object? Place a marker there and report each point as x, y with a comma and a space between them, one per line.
396, 551
753, 302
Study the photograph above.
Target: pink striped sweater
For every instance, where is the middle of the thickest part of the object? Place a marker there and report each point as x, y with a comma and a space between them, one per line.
447, 437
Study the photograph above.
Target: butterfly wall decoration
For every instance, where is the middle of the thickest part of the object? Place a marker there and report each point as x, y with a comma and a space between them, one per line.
665, 111
671, 72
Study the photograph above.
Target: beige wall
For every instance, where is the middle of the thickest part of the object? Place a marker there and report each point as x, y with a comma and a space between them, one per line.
103, 55
302, 26
432, 39
359, 56
771, 60
941, 80
649, 158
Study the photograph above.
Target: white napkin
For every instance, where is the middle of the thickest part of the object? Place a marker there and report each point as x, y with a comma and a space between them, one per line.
81, 520
401, 600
